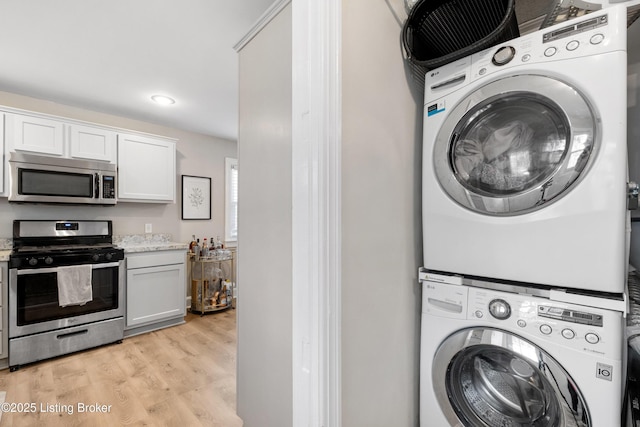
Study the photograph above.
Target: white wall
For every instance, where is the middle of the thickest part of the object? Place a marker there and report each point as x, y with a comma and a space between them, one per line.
264, 380
633, 128
197, 154
381, 240
381, 164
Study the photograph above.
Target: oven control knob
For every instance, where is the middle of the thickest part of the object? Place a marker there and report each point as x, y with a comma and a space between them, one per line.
48, 260
500, 309
108, 256
33, 261
95, 257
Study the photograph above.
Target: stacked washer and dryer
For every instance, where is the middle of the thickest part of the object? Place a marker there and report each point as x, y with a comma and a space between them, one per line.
526, 230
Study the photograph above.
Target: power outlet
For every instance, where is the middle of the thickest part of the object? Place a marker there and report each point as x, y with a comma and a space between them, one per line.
148, 228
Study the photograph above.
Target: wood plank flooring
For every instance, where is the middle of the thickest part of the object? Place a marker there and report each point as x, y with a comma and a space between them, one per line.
180, 376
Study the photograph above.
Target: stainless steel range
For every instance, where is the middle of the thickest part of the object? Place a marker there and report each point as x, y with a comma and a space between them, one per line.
65, 289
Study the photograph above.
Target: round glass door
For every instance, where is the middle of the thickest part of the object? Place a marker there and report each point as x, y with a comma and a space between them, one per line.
515, 145
491, 378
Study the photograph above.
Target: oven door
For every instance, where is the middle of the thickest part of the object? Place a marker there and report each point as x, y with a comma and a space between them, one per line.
34, 305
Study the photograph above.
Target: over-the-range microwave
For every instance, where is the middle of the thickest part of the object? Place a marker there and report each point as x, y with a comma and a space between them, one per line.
44, 179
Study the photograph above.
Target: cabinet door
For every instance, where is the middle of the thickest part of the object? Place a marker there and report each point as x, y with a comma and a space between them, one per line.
146, 169
2, 162
155, 294
35, 134
92, 143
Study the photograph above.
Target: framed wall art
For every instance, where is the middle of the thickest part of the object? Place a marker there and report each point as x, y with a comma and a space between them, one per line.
196, 197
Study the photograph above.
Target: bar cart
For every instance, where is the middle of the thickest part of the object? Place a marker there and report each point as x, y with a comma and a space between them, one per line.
212, 280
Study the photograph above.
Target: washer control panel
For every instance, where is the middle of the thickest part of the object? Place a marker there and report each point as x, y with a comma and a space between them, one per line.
592, 330
587, 329
595, 34
573, 29
574, 316
591, 35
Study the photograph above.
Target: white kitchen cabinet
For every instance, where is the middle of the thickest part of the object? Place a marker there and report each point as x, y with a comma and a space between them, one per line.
3, 159
146, 169
155, 290
89, 142
35, 134
57, 137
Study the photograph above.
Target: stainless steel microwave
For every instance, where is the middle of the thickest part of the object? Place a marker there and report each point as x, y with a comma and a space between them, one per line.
44, 179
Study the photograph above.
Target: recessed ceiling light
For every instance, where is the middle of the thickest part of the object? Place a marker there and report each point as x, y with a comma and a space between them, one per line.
163, 100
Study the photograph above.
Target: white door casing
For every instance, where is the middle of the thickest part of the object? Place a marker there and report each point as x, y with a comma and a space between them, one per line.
316, 181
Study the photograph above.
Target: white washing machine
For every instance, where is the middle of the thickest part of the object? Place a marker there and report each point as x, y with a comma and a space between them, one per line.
525, 158
495, 358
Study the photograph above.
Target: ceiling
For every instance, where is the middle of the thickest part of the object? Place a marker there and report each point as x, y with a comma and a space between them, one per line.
111, 56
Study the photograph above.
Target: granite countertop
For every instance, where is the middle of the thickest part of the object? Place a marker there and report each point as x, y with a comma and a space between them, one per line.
148, 243
130, 244
6, 246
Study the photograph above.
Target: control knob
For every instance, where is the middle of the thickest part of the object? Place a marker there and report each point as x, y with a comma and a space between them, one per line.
503, 56
500, 309
108, 256
95, 257
48, 260
33, 261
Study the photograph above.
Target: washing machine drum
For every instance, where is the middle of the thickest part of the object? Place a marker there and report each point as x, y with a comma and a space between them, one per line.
515, 145
488, 377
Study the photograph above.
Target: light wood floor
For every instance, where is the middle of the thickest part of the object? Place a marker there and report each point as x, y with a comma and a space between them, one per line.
181, 376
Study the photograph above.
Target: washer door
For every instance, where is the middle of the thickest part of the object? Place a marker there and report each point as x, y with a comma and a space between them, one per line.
516, 144
489, 377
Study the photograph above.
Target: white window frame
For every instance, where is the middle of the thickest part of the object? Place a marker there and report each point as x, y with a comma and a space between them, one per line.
230, 205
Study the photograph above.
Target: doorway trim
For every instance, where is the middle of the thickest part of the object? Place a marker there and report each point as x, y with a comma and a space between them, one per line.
316, 212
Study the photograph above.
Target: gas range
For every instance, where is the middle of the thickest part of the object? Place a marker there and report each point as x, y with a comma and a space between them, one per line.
66, 293
38, 244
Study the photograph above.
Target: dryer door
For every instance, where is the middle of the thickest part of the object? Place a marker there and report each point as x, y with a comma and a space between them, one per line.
515, 145
489, 377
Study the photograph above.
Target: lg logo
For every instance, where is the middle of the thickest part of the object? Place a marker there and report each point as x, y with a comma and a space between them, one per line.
604, 371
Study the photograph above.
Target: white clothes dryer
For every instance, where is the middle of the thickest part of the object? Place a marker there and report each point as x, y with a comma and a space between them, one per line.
494, 358
525, 158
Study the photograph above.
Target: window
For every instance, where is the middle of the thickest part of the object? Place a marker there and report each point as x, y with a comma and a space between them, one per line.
231, 200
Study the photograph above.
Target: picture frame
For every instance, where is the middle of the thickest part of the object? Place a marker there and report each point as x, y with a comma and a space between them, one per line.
196, 197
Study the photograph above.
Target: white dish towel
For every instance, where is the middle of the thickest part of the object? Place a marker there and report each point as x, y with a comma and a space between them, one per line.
74, 285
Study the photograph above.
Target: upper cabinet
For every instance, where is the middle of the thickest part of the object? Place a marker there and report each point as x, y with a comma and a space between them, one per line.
146, 169
35, 134
2, 162
88, 142
146, 163
53, 137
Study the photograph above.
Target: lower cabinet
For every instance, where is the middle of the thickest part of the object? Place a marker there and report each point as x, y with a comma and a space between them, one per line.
155, 290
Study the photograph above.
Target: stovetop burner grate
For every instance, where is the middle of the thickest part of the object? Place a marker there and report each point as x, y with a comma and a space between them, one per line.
46, 249
38, 244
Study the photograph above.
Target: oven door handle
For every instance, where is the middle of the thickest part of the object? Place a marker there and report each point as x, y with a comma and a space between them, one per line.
55, 269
